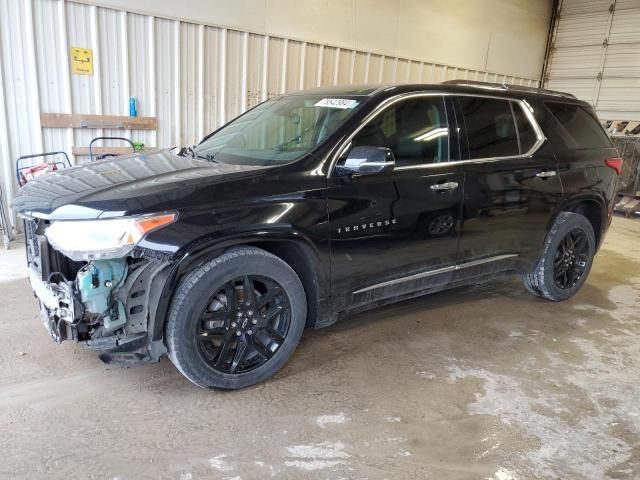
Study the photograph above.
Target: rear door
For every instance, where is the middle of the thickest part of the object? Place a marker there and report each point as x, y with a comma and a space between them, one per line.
511, 186
395, 233
582, 147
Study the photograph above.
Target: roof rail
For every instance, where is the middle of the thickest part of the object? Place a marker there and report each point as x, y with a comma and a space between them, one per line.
477, 84
507, 88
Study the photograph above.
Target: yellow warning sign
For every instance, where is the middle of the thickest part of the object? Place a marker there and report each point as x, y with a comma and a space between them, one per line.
81, 61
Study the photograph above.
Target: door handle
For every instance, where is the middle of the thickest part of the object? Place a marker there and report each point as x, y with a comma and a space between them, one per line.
546, 174
442, 187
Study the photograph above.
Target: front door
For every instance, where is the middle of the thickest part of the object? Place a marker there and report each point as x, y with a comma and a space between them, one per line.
395, 233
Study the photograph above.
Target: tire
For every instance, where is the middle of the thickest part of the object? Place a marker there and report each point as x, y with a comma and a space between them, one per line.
547, 280
213, 306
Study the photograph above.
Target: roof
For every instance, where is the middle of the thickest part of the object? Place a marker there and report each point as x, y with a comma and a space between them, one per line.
450, 86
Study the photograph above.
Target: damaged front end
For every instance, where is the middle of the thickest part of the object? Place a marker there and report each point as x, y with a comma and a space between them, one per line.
107, 305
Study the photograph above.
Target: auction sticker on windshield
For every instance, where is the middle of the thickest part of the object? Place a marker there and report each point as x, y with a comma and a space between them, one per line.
342, 103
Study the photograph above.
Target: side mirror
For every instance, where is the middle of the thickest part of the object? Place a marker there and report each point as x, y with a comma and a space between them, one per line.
368, 161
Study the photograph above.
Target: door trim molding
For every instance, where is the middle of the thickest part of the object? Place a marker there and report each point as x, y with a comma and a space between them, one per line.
437, 271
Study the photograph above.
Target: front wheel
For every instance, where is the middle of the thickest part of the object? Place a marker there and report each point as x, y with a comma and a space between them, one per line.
236, 319
566, 259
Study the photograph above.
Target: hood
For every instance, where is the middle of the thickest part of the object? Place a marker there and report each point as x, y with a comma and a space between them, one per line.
117, 186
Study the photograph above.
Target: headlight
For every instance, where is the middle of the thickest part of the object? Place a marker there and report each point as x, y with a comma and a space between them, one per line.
109, 238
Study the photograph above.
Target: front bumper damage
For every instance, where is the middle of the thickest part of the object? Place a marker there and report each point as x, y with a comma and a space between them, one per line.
107, 306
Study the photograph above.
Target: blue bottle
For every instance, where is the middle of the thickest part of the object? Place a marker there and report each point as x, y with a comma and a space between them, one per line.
132, 107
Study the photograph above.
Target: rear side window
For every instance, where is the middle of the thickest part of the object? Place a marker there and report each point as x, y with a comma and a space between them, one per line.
526, 134
578, 128
491, 128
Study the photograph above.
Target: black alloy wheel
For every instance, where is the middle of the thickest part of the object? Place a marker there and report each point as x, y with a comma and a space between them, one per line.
236, 319
243, 325
566, 258
571, 259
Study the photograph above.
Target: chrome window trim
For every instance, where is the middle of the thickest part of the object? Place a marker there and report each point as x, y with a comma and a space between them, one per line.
526, 108
451, 268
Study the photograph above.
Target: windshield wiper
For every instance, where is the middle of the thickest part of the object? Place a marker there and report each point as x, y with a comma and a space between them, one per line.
186, 152
190, 151
209, 157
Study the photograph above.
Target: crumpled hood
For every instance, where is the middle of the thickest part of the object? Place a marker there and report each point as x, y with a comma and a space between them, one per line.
120, 185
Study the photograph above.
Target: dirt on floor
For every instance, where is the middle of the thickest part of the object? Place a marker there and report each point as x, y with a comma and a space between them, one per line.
475, 383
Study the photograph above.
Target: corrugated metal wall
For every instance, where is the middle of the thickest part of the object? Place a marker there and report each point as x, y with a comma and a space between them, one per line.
596, 55
193, 78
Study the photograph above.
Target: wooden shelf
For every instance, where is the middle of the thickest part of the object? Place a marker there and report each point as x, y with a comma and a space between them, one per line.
76, 120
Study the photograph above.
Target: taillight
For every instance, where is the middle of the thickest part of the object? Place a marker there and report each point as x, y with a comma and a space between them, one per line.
614, 163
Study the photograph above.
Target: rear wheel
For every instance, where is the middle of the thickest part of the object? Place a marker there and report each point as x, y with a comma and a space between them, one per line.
566, 259
236, 320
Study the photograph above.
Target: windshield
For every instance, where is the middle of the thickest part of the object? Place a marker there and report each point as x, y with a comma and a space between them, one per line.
278, 131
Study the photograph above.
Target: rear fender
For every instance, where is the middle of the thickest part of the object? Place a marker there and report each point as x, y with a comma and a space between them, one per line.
578, 203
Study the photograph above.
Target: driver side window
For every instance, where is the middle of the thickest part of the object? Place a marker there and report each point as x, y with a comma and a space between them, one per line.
416, 131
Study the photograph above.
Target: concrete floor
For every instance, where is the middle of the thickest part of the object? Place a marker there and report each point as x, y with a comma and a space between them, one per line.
480, 383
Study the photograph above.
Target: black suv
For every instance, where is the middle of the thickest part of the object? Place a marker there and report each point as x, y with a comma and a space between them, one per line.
312, 206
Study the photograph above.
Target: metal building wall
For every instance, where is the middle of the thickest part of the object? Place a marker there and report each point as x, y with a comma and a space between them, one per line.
596, 55
193, 78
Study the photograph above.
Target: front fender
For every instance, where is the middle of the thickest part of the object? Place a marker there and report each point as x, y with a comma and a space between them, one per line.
211, 246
